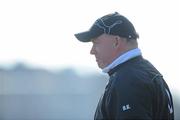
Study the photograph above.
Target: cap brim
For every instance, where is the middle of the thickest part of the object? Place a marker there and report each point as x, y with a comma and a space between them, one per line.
87, 36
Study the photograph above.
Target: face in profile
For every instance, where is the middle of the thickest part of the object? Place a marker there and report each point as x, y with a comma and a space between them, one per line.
103, 49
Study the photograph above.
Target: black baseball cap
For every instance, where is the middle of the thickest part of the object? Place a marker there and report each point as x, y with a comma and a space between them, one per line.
112, 24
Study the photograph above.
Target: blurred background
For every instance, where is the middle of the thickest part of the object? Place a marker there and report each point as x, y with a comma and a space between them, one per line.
46, 74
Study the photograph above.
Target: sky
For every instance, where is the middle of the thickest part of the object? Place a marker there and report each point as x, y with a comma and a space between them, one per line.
40, 33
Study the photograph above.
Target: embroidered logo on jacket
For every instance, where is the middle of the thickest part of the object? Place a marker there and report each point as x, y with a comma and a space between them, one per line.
126, 107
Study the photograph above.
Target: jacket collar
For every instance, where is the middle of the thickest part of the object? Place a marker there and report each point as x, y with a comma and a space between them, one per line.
132, 60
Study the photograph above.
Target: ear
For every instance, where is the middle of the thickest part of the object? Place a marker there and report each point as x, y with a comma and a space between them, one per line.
117, 42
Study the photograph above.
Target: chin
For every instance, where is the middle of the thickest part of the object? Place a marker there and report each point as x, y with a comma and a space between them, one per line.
101, 66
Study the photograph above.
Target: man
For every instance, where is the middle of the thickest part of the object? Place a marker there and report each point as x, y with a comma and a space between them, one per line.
136, 90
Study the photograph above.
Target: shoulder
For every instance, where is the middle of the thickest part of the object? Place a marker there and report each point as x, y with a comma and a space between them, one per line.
137, 70
132, 80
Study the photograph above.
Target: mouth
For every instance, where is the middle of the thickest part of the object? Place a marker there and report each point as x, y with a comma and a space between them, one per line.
97, 60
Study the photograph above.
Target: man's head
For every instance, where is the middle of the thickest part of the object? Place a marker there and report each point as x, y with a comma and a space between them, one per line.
111, 35
106, 48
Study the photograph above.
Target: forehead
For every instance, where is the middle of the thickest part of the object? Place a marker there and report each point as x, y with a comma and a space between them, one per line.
103, 38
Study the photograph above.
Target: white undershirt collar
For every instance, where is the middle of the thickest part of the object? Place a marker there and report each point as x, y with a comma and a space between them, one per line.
123, 58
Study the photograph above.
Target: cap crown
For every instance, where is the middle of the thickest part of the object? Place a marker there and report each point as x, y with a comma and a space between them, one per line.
115, 24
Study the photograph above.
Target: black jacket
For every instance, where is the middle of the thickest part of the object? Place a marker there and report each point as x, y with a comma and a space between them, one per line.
136, 90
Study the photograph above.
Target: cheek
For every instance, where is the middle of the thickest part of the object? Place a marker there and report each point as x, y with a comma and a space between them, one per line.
106, 53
